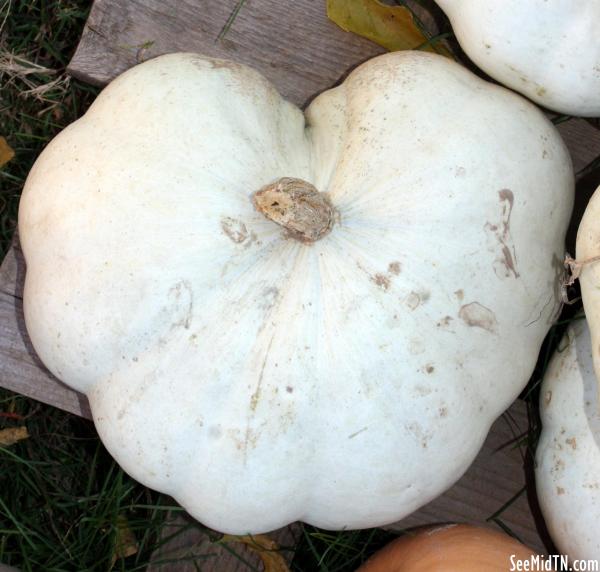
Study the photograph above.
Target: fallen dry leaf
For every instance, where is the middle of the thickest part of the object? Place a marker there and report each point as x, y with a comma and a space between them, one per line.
6, 152
11, 436
392, 27
126, 543
265, 547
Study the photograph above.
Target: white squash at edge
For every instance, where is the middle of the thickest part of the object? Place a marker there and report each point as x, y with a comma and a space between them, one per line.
548, 50
568, 452
587, 254
260, 380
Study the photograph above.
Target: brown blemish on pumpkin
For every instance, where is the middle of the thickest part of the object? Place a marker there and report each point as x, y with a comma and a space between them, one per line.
572, 442
460, 294
506, 262
422, 437
236, 230
443, 412
289, 389
413, 300
476, 315
381, 280
250, 438
352, 435
251, 240
560, 491
444, 322
559, 465
591, 485
548, 397
269, 295
255, 397
429, 368
183, 304
422, 390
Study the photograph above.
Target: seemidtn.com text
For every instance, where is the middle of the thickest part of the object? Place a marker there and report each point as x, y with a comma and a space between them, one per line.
539, 563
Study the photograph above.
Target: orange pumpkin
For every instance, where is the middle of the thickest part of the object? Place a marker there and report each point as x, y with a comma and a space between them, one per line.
450, 548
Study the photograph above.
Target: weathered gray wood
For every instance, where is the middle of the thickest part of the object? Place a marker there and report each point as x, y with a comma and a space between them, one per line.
292, 43
583, 141
20, 368
194, 549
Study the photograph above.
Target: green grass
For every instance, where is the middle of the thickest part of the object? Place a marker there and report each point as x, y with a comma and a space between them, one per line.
64, 503
37, 99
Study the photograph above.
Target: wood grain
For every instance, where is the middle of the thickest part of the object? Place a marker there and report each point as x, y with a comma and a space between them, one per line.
583, 142
292, 43
193, 548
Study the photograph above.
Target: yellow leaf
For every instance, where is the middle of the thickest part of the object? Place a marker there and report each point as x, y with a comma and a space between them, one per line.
11, 436
265, 547
126, 543
392, 27
6, 152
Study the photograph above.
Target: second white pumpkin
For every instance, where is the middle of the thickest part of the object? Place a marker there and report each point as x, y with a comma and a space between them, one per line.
548, 50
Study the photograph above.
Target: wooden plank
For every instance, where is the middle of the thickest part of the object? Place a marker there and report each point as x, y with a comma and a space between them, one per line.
193, 549
292, 43
583, 141
21, 370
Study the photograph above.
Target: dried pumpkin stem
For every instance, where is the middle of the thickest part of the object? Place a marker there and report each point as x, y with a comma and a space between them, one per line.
297, 206
574, 267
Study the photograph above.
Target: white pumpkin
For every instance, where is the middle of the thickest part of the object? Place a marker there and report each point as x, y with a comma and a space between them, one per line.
342, 369
588, 265
568, 453
548, 50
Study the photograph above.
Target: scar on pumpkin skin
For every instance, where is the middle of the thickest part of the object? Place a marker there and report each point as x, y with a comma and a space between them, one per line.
385, 280
478, 316
235, 229
501, 232
381, 280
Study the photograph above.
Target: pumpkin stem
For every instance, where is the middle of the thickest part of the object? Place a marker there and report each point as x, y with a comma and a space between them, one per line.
297, 206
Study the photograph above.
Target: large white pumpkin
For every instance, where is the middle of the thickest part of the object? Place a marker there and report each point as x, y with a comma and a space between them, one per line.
343, 370
548, 50
568, 453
